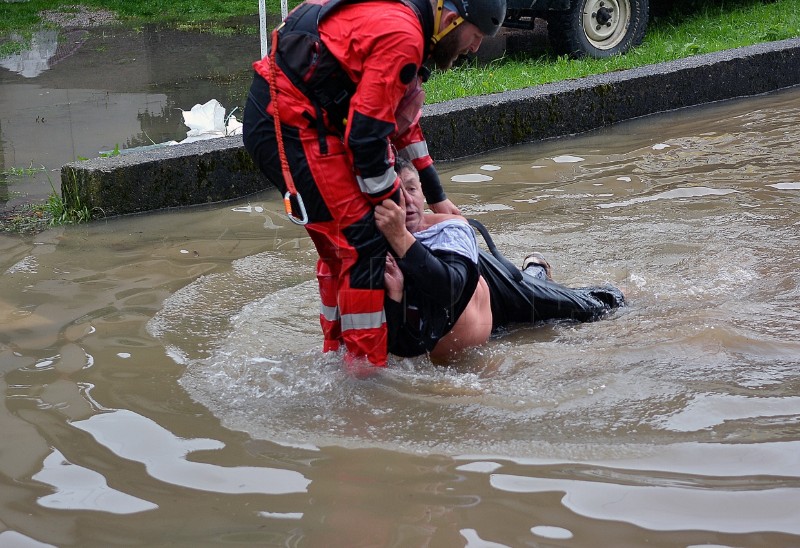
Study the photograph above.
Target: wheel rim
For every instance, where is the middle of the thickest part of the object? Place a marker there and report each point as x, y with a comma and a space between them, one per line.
605, 22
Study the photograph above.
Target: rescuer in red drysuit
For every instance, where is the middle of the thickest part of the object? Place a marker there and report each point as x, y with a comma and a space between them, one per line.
346, 77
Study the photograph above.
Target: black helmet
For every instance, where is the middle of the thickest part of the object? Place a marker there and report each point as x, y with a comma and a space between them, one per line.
487, 15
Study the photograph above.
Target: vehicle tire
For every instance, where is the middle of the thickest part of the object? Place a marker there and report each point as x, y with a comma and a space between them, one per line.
598, 28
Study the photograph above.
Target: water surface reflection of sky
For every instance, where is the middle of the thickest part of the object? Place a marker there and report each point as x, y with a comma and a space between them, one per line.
75, 94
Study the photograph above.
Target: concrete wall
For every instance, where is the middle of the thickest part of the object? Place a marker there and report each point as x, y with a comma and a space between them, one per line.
195, 173
220, 169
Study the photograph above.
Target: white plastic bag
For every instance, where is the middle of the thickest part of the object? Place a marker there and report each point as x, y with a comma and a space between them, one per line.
208, 121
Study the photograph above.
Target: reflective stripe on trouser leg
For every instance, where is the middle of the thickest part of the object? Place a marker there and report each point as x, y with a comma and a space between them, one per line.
349, 242
329, 308
364, 323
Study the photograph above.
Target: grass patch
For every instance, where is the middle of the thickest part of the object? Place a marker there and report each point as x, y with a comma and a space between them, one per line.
66, 212
59, 213
24, 16
687, 28
15, 44
34, 218
20, 172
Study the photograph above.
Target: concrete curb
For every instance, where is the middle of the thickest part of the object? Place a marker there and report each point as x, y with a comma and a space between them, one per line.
456, 129
202, 172
220, 169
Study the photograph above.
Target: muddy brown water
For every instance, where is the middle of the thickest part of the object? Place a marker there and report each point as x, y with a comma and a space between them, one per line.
163, 385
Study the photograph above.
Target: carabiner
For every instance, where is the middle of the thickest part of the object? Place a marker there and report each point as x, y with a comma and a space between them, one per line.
287, 205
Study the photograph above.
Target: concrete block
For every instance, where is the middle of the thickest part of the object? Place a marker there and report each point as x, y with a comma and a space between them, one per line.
202, 172
464, 127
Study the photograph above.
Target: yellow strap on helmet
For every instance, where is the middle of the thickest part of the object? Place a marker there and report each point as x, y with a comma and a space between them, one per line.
438, 20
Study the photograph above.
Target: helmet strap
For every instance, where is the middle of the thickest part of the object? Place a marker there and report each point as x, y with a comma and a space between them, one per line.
439, 34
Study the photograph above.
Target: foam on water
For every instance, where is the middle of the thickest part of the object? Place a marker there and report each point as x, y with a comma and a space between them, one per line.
533, 392
470, 178
79, 488
268, 365
567, 159
690, 192
527, 392
786, 186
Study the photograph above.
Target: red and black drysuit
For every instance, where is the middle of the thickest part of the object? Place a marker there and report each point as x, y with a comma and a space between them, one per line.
346, 72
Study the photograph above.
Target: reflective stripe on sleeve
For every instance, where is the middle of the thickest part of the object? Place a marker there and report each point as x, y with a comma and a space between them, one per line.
414, 151
377, 185
366, 320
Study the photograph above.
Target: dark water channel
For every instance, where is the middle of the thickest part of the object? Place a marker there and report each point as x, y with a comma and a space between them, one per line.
77, 93
162, 382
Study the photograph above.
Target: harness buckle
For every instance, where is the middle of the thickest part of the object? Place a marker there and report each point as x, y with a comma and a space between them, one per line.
341, 97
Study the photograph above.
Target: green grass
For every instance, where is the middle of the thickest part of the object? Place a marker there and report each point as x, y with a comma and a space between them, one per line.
60, 212
29, 171
24, 15
685, 28
18, 17
33, 218
689, 28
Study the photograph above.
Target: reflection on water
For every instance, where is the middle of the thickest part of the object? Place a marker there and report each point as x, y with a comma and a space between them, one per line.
74, 94
163, 382
31, 62
133, 437
79, 488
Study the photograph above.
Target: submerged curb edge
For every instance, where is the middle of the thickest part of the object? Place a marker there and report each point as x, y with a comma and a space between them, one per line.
220, 169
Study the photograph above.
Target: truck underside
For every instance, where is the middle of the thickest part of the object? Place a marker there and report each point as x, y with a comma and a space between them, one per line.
579, 28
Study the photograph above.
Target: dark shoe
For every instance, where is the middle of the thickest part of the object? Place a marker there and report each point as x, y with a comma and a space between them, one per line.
538, 259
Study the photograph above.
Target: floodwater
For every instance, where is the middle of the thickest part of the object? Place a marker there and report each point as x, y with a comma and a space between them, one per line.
163, 383
79, 93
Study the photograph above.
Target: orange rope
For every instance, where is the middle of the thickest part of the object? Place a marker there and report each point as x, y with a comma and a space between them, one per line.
287, 174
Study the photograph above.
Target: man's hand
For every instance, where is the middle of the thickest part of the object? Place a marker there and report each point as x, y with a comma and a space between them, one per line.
390, 218
445, 206
393, 280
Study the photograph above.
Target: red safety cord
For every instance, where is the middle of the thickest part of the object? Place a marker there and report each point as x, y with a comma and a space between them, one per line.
287, 174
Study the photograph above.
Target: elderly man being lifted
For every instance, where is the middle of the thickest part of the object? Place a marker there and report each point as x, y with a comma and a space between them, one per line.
339, 91
445, 295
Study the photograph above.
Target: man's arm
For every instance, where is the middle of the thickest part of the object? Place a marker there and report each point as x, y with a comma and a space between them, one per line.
390, 219
411, 145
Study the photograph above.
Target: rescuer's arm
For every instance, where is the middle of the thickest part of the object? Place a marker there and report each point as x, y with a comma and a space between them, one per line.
385, 62
412, 146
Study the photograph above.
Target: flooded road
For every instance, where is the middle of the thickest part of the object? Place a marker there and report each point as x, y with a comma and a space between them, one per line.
163, 382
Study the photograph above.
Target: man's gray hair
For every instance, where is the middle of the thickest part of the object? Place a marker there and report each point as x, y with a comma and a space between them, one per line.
401, 163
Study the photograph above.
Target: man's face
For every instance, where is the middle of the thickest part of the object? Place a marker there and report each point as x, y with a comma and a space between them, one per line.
466, 38
415, 200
